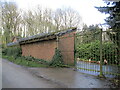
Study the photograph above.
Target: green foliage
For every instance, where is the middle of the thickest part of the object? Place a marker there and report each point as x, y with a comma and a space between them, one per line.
30, 58
110, 52
22, 61
113, 20
92, 51
57, 60
14, 54
9, 53
89, 50
113, 9
89, 34
4, 51
12, 51
2, 46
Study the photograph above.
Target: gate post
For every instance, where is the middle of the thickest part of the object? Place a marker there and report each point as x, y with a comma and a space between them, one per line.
75, 67
101, 62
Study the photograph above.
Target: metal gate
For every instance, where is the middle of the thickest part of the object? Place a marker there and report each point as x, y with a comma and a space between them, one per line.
98, 52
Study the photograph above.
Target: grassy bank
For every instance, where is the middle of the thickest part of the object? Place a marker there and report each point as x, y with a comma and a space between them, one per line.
23, 62
29, 62
14, 54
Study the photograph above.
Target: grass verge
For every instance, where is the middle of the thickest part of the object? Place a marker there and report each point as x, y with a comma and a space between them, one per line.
24, 62
30, 62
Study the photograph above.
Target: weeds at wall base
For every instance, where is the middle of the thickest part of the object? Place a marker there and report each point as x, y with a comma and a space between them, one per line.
23, 62
14, 55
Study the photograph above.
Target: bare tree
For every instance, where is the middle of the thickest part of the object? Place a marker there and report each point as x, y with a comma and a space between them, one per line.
10, 20
58, 19
66, 18
71, 18
29, 19
41, 20
48, 20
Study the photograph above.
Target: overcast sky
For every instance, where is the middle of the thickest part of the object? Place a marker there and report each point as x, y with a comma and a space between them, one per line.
89, 14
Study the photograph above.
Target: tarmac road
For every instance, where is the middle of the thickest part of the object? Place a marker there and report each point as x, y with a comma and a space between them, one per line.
15, 76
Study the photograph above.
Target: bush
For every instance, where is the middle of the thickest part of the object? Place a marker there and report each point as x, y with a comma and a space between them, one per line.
30, 58
4, 51
57, 60
92, 51
16, 53
12, 51
89, 50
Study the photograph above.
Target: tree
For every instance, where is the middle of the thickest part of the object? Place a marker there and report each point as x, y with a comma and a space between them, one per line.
44, 20
29, 20
90, 33
39, 19
66, 18
58, 19
113, 9
48, 20
10, 20
71, 18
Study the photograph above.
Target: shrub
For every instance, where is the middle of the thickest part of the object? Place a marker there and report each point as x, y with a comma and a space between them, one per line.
92, 51
57, 60
12, 51
4, 51
30, 58
14, 55
42, 61
89, 50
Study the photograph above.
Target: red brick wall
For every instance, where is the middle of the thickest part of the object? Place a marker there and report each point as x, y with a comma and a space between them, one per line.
46, 49
66, 45
41, 50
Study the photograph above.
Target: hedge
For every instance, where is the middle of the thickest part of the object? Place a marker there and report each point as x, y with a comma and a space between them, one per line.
92, 51
12, 51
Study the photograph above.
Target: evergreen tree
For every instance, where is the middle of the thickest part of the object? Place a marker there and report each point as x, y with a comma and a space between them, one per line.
113, 9
113, 20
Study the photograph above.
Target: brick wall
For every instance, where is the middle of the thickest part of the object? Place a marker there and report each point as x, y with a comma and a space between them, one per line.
41, 50
46, 49
66, 45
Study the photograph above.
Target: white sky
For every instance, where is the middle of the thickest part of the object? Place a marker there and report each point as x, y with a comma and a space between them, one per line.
89, 14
